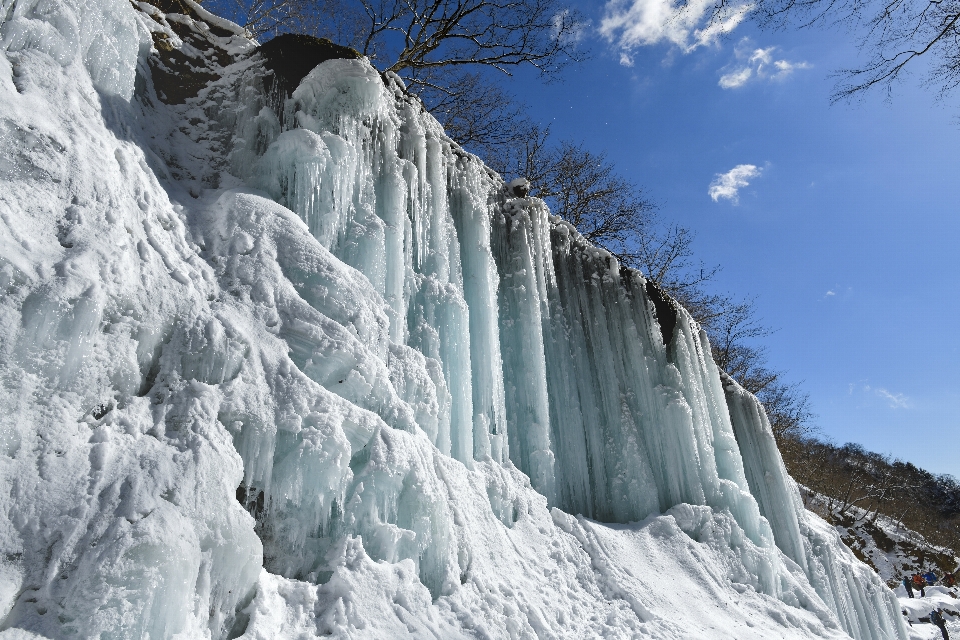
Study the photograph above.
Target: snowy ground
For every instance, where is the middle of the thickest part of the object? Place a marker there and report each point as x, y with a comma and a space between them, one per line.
646, 580
918, 609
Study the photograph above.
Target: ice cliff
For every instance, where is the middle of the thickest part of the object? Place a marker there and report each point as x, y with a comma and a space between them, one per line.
278, 359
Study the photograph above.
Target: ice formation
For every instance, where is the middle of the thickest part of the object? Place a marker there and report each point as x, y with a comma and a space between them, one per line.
296, 365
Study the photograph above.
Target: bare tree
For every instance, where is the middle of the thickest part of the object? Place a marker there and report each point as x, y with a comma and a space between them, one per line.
732, 328
411, 37
450, 51
266, 18
860, 485
896, 34
606, 208
665, 254
479, 114
422, 40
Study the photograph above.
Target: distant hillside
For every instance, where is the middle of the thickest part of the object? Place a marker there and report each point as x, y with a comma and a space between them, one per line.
891, 548
895, 516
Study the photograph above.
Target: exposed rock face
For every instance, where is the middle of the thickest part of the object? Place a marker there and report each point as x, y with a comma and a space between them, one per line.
290, 57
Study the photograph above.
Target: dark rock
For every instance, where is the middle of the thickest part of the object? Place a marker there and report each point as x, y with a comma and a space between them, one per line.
176, 76
252, 500
519, 188
665, 309
291, 56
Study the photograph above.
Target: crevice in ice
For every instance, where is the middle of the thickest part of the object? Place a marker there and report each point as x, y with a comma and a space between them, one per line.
150, 377
251, 499
101, 410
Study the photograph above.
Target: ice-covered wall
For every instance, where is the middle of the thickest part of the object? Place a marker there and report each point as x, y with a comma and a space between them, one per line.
587, 377
384, 191
310, 333
592, 389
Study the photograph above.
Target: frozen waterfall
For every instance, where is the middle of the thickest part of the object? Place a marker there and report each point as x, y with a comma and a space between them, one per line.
293, 364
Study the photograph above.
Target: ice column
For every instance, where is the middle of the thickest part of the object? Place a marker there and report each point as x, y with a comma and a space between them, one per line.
470, 193
382, 188
722, 468
769, 483
521, 242
636, 412
601, 385
438, 319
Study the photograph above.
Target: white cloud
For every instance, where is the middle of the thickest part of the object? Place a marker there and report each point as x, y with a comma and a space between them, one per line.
688, 24
727, 185
759, 64
831, 293
736, 78
896, 400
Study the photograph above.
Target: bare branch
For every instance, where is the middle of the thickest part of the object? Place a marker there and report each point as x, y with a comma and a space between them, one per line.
896, 34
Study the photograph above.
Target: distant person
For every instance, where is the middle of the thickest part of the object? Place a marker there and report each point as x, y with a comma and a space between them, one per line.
931, 578
937, 618
919, 583
950, 579
908, 586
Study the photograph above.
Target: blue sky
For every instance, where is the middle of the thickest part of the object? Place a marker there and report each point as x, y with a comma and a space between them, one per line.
845, 231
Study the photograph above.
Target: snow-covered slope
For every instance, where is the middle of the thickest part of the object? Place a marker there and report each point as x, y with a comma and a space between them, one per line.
891, 548
292, 368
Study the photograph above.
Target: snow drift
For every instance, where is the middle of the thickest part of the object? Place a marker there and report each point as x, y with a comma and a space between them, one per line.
291, 364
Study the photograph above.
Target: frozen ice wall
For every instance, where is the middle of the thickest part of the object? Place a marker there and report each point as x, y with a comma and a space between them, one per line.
298, 366
101, 35
636, 423
117, 481
388, 194
630, 418
588, 378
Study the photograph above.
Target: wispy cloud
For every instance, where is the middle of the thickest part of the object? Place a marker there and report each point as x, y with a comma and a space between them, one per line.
895, 400
629, 24
727, 185
831, 293
757, 64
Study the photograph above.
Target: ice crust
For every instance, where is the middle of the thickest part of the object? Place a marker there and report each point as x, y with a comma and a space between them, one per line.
299, 366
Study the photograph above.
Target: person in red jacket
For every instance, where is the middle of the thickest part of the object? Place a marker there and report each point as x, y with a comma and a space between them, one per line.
919, 583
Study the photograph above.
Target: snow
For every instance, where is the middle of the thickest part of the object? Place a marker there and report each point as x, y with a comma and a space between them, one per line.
305, 368
102, 34
892, 549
